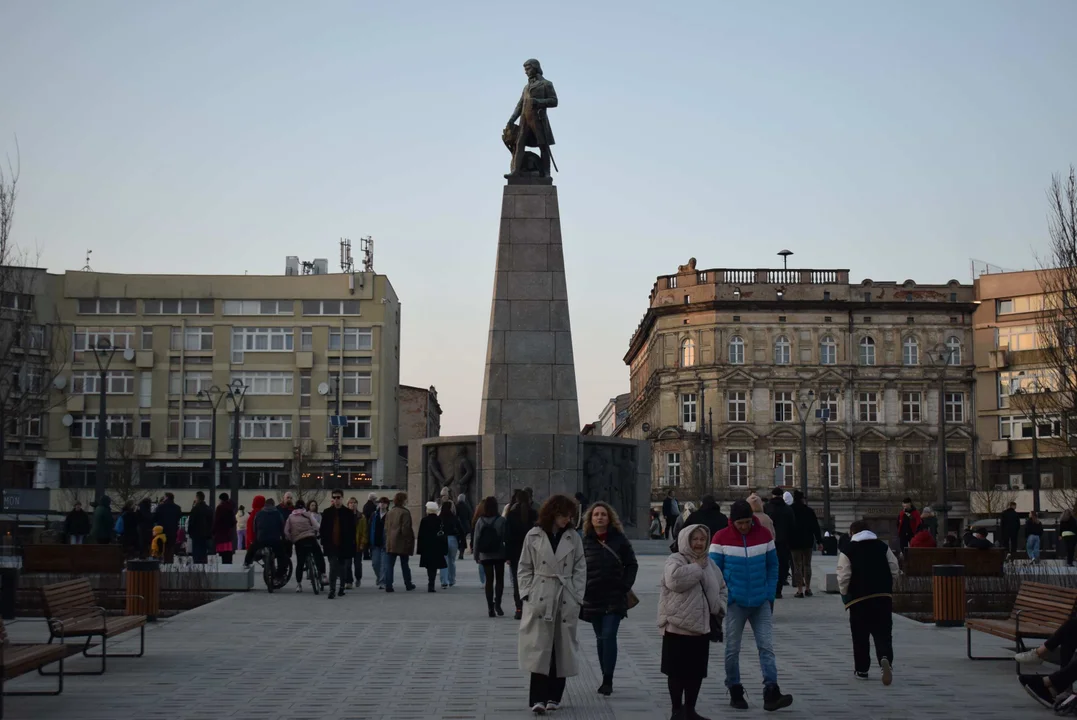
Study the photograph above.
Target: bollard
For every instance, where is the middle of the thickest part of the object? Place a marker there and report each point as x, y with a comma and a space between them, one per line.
9, 587
948, 593
144, 580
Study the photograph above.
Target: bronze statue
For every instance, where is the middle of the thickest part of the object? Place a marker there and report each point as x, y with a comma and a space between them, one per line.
534, 129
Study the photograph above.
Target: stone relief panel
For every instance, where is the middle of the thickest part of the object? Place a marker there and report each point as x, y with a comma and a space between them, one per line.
610, 475
452, 467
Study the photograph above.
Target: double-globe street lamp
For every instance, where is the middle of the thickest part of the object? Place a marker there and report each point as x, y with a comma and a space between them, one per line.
104, 351
216, 396
823, 415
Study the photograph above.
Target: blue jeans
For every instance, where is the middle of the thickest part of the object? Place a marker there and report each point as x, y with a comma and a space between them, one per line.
448, 574
606, 636
1032, 546
762, 627
482, 575
377, 561
390, 564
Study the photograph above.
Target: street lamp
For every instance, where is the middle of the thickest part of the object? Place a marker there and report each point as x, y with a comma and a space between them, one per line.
235, 391
941, 357
805, 411
104, 352
1029, 405
215, 397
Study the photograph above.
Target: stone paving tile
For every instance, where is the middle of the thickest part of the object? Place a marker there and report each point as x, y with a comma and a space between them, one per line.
372, 656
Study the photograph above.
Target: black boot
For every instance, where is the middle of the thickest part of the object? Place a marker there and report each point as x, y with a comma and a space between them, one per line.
606, 688
490, 607
430, 587
736, 697
774, 700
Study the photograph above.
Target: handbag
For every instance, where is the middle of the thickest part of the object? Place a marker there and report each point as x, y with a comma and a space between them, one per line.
631, 599
715, 635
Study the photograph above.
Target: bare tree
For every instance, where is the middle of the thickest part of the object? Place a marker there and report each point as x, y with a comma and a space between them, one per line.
32, 342
123, 482
308, 480
992, 497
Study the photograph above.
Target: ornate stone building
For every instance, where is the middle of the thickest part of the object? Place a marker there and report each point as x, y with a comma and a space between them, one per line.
731, 368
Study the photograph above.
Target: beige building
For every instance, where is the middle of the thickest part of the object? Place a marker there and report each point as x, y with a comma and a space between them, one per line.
306, 348
1012, 376
730, 368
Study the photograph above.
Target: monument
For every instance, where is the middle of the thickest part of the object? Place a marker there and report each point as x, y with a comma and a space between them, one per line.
529, 424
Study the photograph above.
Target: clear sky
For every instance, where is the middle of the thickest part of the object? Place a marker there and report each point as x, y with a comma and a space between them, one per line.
897, 140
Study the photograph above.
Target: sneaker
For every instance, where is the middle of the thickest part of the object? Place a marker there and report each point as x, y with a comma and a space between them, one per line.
389, 588
347, 586
409, 588
1029, 657
331, 595
552, 706
518, 615
499, 611
444, 586
1034, 686
1066, 706
736, 697
246, 566
539, 708
888, 672
860, 675
299, 587
774, 700
799, 595
808, 593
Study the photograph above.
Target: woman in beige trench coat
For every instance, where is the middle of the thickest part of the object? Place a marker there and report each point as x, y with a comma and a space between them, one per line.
552, 578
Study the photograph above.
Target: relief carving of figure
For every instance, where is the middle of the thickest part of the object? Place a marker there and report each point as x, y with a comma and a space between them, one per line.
464, 472
435, 478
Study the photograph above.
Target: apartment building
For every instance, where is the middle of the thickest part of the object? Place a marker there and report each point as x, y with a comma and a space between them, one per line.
317, 356
730, 369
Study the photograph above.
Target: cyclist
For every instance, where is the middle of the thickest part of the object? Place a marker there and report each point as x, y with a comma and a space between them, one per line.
301, 530
268, 533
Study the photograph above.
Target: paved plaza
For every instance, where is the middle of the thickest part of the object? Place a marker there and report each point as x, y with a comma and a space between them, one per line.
373, 656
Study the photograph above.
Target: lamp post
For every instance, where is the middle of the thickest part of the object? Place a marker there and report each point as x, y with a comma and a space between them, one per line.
215, 396
824, 417
236, 391
104, 352
805, 411
941, 358
1029, 406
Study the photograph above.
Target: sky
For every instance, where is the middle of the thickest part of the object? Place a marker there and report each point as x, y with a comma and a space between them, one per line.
897, 140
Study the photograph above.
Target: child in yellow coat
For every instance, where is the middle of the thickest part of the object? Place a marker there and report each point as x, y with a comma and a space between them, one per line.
157, 545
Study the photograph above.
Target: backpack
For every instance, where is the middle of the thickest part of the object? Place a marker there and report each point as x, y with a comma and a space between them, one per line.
489, 541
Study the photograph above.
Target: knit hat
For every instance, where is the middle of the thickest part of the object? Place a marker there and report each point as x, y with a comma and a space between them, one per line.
741, 510
432, 508
788, 497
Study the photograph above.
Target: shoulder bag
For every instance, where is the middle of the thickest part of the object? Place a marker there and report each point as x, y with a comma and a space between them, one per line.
715, 635
631, 599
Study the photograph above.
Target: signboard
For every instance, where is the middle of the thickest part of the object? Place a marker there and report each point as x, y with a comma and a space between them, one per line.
26, 500
822, 414
338, 421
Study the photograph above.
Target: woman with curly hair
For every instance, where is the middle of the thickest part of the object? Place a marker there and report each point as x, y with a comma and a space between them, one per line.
553, 579
611, 571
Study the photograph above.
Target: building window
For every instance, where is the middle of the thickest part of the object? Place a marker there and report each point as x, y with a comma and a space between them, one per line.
953, 350
85, 426
1003, 307
304, 427
673, 469
783, 407
784, 460
106, 306
831, 468
954, 406
910, 407
266, 383
869, 471
782, 350
688, 411
956, 474
264, 339
119, 382
145, 428
356, 428
306, 339
145, 389
304, 388
1017, 337
910, 352
353, 339
31, 427
330, 307
738, 469
177, 307
190, 383
257, 307
828, 351
737, 406
867, 351
914, 470
736, 350
357, 382
147, 338
688, 353
86, 339
17, 301
257, 427
197, 427
828, 403
191, 339
867, 407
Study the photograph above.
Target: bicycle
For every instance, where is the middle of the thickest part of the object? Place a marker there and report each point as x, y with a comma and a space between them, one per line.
275, 578
311, 569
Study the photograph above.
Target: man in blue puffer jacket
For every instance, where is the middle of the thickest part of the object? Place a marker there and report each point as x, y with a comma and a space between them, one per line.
746, 555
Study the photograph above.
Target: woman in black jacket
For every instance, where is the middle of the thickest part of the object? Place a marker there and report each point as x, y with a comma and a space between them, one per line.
611, 571
129, 537
521, 518
433, 544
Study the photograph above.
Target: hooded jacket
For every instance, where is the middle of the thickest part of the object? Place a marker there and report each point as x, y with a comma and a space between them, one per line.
806, 533
709, 515
77, 522
866, 569
157, 545
784, 521
691, 592
749, 563
257, 504
761, 517
268, 526
167, 515
101, 532
299, 526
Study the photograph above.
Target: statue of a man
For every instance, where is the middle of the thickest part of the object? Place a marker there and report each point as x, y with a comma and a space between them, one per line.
537, 97
464, 472
435, 477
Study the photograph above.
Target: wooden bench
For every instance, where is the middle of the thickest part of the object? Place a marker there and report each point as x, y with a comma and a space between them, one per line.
72, 559
978, 563
1038, 611
17, 659
72, 612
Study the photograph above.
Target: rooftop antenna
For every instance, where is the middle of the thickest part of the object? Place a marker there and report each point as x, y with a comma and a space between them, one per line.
366, 246
347, 265
785, 258
86, 267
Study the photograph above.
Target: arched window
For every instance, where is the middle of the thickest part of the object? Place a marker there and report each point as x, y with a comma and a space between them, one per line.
910, 351
736, 350
953, 350
688, 353
867, 351
782, 350
828, 351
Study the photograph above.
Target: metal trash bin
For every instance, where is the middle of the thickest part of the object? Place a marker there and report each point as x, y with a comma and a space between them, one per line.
144, 588
948, 595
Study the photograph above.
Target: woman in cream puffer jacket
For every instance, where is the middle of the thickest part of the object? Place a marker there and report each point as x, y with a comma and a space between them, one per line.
693, 590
